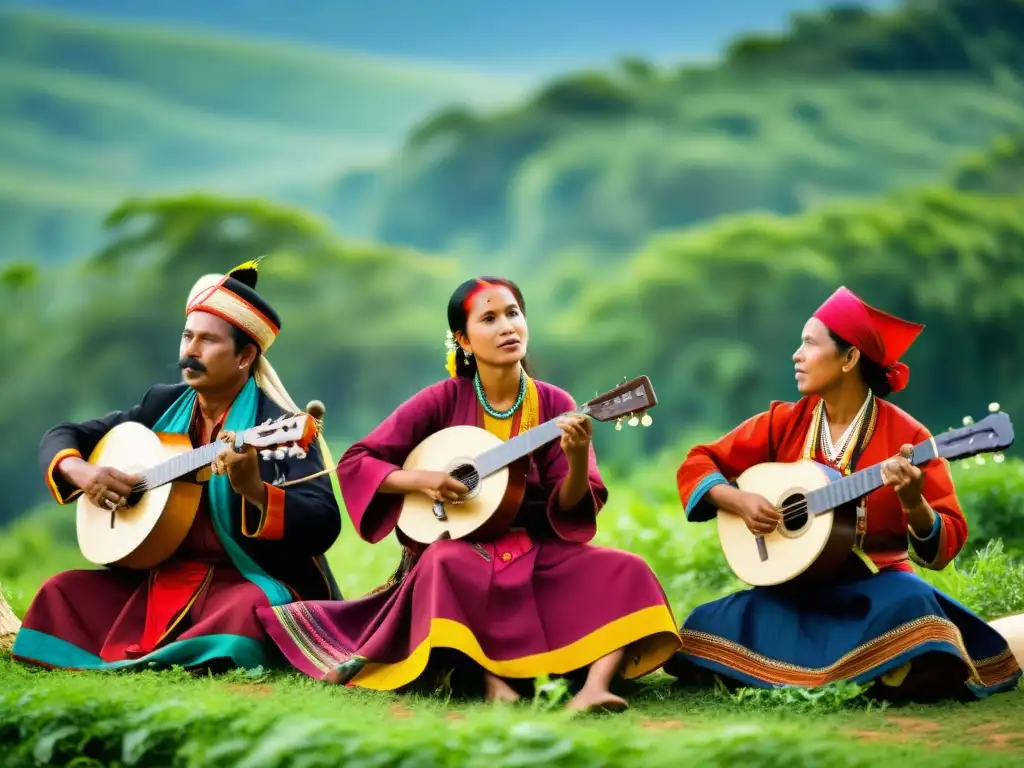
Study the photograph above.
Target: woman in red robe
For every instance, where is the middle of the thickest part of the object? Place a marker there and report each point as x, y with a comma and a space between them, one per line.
540, 600
877, 620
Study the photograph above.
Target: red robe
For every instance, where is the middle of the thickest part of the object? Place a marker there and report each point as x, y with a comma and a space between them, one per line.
881, 623
888, 540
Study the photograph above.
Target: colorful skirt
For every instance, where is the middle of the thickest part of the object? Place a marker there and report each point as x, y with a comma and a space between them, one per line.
194, 615
892, 627
517, 608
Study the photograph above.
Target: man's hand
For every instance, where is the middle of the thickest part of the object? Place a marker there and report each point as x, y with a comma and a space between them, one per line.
106, 487
242, 469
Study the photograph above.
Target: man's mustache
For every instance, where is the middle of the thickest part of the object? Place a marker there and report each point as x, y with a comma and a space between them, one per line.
193, 363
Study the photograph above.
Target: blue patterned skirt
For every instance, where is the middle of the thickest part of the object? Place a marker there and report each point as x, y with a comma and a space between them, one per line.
892, 627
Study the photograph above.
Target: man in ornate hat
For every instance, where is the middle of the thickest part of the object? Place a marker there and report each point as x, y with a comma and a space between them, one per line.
253, 542
876, 621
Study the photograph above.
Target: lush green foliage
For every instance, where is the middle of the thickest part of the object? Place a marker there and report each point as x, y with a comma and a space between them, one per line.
715, 313
954, 36
548, 180
846, 103
81, 353
999, 170
91, 111
147, 719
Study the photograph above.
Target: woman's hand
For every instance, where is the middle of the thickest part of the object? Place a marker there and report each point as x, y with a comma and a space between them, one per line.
577, 431
439, 486
906, 479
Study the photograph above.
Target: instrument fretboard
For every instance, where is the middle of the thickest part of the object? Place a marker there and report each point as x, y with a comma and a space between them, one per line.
519, 446
179, 466
860, 483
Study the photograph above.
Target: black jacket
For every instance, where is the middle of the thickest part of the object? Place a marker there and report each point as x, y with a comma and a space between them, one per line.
312, 519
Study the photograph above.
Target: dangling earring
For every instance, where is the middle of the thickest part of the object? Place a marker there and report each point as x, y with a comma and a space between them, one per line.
467, 354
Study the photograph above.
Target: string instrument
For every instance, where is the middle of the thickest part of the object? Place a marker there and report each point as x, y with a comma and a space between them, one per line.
494, 470
1012, 629
154, 520
819, 518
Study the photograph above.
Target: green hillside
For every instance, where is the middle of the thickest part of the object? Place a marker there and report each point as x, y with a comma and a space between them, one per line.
980, 39
91, 111
846, 103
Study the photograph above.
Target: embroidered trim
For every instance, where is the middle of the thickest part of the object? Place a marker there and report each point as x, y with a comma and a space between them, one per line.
988, 672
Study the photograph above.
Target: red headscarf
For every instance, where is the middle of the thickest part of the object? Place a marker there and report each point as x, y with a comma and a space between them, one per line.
880, 337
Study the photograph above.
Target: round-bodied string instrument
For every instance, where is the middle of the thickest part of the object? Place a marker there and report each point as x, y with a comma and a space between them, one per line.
154, 520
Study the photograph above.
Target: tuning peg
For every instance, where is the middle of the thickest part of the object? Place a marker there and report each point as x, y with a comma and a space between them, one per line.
646, 419
968, 421
295, 450
979, 459
618, 425
266, 453
633, 420
993, 407
279, 454
998, 458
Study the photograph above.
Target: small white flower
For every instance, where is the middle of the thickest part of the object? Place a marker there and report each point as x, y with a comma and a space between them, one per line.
449, 342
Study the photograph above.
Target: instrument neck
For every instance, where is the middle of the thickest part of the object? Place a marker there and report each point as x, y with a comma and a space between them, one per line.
181, 465
519, 446
861, 483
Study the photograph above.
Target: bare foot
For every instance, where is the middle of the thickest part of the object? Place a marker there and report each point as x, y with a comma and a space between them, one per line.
588, 700
496, 689
344, 672
335, 677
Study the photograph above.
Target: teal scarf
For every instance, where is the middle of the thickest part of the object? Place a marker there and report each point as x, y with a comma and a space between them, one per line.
241, 416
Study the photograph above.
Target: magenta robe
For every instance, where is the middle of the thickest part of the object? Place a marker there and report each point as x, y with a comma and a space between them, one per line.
540, 600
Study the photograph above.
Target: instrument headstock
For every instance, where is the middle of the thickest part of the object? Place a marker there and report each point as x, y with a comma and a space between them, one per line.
289, 435
992, 434
631, 398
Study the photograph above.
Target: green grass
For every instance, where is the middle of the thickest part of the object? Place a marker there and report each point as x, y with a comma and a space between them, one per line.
277, 719
91, 111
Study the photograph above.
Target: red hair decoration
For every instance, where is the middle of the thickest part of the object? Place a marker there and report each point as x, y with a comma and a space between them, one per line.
880, 337
480, 286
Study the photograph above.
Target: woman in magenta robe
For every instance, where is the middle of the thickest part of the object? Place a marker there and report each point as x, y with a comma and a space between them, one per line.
538, 600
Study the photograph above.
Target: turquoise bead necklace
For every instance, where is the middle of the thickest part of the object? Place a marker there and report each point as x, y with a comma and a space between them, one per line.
487, 406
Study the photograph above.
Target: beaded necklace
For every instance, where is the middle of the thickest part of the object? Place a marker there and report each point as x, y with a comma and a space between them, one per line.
482, 398
834, 451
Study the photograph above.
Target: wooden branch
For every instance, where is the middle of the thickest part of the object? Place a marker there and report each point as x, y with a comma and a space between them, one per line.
9, 623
